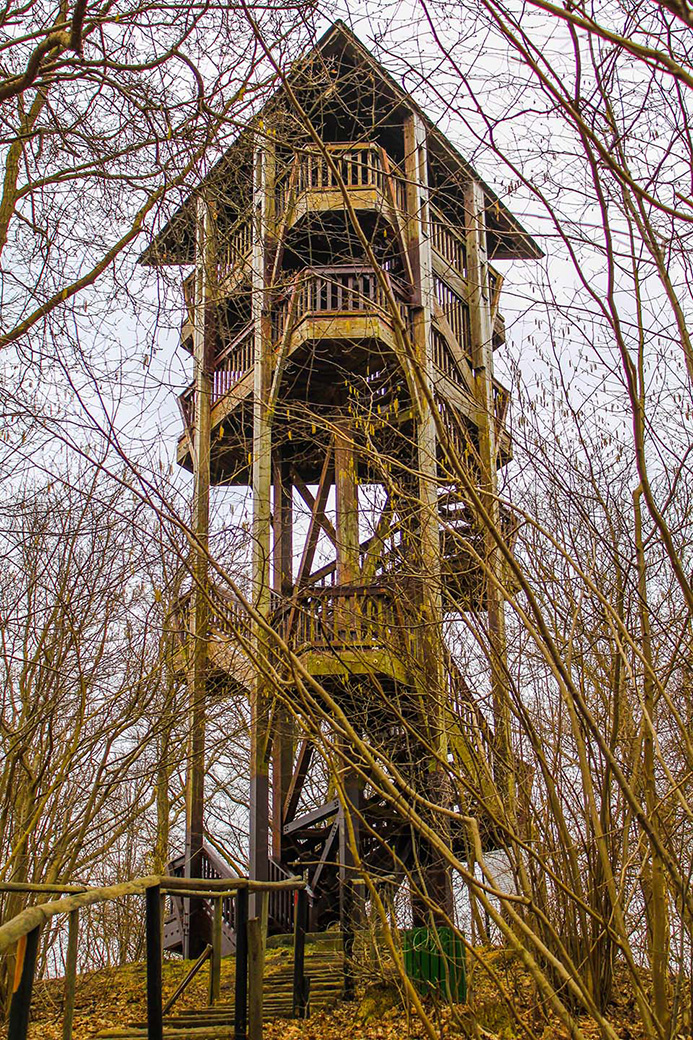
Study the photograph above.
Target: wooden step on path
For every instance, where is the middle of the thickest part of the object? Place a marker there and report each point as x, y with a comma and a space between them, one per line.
324, 968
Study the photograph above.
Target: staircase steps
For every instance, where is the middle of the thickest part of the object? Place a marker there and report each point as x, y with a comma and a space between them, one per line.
324, 967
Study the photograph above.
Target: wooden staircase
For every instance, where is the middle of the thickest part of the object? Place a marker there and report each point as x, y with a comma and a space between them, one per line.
324, 965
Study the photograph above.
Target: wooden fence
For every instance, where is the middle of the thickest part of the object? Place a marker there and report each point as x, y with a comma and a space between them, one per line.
24, 932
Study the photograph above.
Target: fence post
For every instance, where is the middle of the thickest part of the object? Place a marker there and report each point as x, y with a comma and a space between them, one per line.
241, 1000
155, 1018
215, 960
255, 974
300, 924
25, 966
70, 974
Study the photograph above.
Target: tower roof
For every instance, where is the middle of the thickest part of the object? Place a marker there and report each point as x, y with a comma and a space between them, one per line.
340, 55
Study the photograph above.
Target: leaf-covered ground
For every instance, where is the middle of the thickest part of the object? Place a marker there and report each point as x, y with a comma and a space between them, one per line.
116, 996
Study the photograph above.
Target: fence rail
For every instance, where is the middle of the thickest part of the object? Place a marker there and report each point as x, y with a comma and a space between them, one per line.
24, 931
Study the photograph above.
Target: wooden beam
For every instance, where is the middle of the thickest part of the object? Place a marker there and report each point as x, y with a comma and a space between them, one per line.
327, 849
346, 502
284, 346
466, 370
241, 986
263, 229
188, 434
300, 995
256, 968
70, 974
203, 343
155, 1018
305, 754
25, 967
376, 543
283, 728
318, 513
289, 207
395, 214
481, 327
323, 812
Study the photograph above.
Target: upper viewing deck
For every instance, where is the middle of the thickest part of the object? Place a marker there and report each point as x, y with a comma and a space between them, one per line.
321, 310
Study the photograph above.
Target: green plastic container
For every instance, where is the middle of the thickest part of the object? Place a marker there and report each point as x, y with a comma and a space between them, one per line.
435, 961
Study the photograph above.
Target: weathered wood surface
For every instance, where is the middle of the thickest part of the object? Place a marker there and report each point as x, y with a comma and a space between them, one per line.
37, 916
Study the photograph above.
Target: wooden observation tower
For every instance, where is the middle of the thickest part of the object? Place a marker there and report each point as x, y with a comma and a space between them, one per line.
342, 313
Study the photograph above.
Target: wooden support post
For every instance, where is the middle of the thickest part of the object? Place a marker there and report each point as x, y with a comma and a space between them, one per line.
241, 989
70, 973
256, 968
263, 220
283, 739
346, 503
195, 938
437, 876
24, 968
481, 329
300, 928
350, 909
155, 1018
215, 961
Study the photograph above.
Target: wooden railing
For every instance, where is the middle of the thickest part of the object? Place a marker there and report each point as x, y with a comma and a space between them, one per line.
445, 360
320, 290
455, 310
347, 616
235, 247
280, 907
356, 166
340, 290
448, 242
24, 932
232, 364
501, 400
226, 614
211, 870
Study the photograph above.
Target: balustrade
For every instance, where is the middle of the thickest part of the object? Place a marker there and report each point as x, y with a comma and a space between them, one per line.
445, 361
232, 364
345, 615
448, 242
234, 247
356, 166
455, 310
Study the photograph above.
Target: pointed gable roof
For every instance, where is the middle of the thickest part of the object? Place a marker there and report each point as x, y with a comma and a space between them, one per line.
340, 47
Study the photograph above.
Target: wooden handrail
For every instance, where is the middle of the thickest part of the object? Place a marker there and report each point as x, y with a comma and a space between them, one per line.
36, 916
